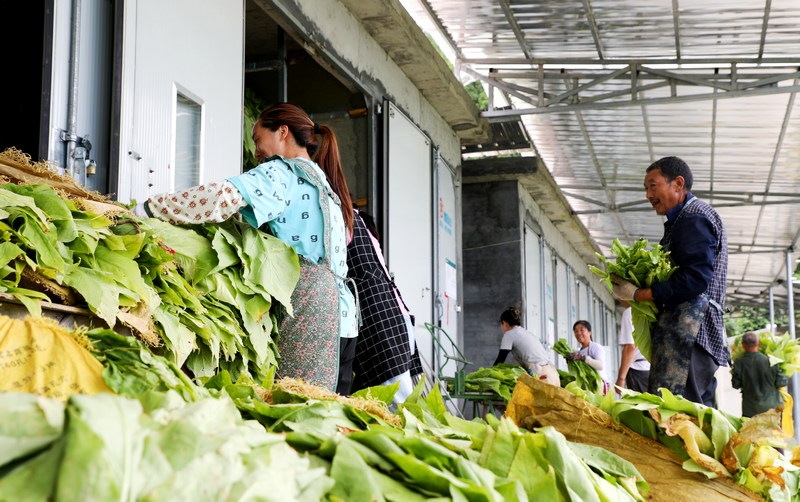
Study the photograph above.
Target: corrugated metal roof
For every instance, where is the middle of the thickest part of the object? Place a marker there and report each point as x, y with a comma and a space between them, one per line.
604, 88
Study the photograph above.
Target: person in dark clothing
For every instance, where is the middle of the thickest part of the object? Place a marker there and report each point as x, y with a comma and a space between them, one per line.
383, 352
758, 381
415, 365
688, 337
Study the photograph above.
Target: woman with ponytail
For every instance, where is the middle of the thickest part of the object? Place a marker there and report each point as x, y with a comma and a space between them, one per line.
526, 348
289, 192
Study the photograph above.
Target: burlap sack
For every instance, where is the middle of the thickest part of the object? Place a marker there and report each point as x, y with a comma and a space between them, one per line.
536, 404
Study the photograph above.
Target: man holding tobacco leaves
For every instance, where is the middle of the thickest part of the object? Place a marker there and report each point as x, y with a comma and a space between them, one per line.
688, 337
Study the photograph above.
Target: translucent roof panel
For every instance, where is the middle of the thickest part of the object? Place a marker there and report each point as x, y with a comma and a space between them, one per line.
605, 87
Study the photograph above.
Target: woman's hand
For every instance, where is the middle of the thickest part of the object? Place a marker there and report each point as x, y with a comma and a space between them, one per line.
575, 356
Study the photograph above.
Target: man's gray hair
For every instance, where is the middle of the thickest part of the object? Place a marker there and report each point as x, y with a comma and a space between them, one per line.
750, 339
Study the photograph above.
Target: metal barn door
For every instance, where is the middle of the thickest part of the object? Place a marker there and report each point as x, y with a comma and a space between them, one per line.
181, 102
410, 219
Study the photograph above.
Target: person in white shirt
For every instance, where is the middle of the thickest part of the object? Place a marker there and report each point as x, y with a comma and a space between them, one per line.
634, 369
590, 352
527, 349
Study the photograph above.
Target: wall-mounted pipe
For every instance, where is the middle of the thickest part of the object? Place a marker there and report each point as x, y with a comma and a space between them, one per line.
71, 136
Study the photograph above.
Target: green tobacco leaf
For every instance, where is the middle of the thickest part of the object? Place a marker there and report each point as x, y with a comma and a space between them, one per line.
579, 479
10, 200
104, 436
273, 265
383, 393
436, 404
641, 334
395, 491
226, 252
504, 446
125, 271
44, 243
537, 476
179, 340
8, 252
35, 479
427, 450
610, 463
53, 206
424, 476
28, 423
355, 480
100, 291
192, 251
29, 298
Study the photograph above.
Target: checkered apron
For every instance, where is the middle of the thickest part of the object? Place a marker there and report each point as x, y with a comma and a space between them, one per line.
382, 349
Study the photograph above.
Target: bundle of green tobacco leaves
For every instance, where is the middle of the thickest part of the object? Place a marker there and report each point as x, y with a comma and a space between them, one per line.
781, 349
498, 380
206, 293
642, 267
710, 441
585, 376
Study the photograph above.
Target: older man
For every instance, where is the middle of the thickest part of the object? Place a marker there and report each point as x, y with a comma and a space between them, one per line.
758, 380
688, 337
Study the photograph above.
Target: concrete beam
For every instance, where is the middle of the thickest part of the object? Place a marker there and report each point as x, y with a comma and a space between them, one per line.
537, 181
495, 167
395, 31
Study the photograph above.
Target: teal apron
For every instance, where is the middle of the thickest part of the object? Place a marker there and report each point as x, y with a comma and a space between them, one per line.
309, 341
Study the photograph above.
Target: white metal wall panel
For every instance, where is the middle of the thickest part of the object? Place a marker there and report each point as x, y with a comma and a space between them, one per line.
549, 299
574, 298
533, 283
410, 220
448, 266
195, 47
447, 263
564, 329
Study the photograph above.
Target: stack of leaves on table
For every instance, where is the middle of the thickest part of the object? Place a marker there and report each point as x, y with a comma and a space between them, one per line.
498, 380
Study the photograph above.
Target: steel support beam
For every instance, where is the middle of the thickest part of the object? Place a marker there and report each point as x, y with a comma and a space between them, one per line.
676, 24
764, 25
502, 115
598, 42
794, 384
732, 204
558, 63
512, 21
